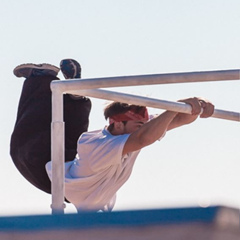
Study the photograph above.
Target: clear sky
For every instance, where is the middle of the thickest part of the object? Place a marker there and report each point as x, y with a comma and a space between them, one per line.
195, 165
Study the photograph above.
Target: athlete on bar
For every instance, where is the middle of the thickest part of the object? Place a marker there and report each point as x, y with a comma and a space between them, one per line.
104, 158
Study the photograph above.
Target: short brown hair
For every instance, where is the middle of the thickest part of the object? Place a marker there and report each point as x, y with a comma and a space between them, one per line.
118, 108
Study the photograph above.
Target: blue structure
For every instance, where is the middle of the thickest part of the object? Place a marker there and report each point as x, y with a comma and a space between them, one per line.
180, 223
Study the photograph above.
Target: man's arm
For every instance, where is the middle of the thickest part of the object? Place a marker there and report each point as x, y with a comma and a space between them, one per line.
154, 129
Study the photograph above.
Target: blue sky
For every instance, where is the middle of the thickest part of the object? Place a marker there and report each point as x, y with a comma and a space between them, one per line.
195, 165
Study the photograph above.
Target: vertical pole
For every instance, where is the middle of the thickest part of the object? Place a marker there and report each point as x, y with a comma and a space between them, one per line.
57, 146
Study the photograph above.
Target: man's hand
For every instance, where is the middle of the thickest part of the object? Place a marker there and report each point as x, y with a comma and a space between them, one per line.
207, 107
200, 106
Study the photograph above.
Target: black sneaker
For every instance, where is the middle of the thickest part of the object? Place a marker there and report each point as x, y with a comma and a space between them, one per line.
30, 69
70, 68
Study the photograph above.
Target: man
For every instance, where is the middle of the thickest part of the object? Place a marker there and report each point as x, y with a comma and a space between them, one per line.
106, 157
30, 146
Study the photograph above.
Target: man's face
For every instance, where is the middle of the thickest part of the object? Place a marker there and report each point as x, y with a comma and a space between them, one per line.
133, 125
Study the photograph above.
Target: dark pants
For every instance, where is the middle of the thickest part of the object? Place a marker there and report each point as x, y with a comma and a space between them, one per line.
30, 146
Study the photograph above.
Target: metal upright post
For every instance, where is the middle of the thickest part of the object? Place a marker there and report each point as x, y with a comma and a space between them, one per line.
57, 148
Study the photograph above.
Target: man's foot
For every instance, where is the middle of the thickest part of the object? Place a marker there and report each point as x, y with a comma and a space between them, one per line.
70, 68
30, 69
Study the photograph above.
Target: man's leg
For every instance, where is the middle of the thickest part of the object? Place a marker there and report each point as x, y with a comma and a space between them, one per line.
76, 117
30, 140
76, 110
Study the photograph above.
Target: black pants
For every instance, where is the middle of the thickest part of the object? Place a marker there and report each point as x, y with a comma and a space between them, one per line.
30, 146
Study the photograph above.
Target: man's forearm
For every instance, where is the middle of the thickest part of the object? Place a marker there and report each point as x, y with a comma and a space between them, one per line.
154, 129
182, 119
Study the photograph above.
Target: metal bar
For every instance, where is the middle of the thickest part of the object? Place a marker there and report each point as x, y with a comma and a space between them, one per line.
59, 87
57, 152
107, 82
152, 102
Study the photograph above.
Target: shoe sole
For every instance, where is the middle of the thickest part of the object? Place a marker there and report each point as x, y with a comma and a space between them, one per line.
17, 70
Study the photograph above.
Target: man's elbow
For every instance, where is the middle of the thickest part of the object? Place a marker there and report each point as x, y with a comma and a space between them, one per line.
145, 141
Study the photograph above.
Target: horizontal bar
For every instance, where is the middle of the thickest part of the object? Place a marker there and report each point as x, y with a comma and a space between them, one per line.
107, 82
152, 102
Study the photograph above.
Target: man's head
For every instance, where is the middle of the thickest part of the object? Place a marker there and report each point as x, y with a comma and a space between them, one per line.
125, 118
